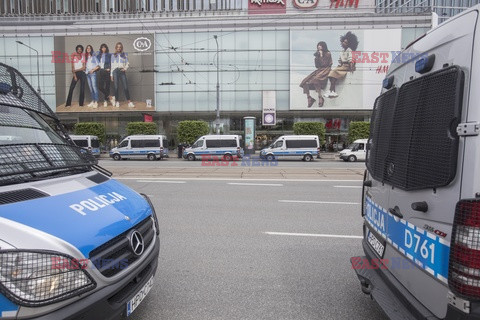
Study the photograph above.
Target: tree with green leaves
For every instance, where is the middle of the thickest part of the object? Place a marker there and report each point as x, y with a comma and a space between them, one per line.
141, 128
190, 130
358, 130
90, 129
310, 128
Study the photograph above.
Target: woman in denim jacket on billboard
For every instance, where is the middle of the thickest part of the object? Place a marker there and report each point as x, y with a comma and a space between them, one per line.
91, 68
105, 62
118, 74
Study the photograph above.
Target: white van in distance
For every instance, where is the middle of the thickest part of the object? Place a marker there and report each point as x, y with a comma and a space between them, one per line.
304, 147
356, 151
225, 146
87, 142
149, 147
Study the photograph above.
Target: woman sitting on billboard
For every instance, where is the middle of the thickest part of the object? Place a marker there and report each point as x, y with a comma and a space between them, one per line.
118, 74
318, 79
349, 43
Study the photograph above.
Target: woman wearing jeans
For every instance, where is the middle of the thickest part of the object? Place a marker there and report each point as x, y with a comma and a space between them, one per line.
78, 70
105, 62
118, 74
91, 71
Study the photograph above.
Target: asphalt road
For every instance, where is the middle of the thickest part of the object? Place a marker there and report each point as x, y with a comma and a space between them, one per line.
227, 251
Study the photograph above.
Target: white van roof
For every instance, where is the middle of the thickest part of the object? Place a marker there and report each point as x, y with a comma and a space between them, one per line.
299, 137
220, 136
73, 136
360, 141
146, 137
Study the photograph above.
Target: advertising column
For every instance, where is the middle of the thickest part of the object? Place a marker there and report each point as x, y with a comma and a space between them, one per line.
249, 135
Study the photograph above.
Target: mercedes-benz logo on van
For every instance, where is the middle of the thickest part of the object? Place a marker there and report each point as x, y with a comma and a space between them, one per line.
136, 243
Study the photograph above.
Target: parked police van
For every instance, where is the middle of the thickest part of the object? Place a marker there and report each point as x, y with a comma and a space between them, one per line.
151, 147
90, 143
356, 151
421, 192
303, 147
74, 243
225, 146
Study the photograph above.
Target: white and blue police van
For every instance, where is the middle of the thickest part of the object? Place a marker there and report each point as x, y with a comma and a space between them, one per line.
225, 146
87, 142
74, 243
151, 147
304, 147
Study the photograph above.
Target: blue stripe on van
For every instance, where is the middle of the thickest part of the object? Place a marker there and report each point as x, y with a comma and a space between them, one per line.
427, 250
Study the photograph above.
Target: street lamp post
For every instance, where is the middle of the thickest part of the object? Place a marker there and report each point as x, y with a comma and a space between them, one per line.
38, 64
217, 125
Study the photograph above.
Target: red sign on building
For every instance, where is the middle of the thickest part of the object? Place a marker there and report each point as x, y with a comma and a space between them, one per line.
344, 3
267, 7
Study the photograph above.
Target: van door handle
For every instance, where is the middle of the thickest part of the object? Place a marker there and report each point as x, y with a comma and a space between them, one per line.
396, 212
367, 183
420, 206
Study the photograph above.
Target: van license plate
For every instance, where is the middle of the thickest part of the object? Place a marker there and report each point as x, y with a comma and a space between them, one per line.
375, 243
139, 296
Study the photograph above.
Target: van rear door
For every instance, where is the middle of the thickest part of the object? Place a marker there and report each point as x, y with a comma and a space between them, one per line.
423, 165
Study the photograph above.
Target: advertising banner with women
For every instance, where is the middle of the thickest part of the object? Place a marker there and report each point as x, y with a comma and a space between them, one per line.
104, 73
339, 69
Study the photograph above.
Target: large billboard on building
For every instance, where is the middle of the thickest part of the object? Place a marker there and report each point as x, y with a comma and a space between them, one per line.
339, 69
126, 73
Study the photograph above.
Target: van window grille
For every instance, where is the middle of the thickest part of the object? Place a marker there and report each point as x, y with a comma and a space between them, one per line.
380, 132
420, 136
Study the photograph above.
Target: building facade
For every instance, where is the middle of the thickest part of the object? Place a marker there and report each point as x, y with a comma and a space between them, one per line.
261, 53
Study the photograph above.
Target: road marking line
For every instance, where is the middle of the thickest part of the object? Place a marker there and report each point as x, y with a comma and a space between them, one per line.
318, 202
235, 179
255, 184
158, 181
354, 187
312, 235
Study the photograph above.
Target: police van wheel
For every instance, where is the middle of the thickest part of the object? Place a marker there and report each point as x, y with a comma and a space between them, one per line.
191, 157
308, 157
151, 157
228, 157
352, 158
116, 157
270, 157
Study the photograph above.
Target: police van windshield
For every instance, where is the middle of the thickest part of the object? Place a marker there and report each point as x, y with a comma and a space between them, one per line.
198, 144
30, 148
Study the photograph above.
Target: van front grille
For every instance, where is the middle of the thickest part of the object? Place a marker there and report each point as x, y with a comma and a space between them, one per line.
116, 255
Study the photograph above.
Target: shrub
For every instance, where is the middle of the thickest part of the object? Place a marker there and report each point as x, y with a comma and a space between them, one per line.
190, 130
310, 128
358, 130
140, 128
91, 129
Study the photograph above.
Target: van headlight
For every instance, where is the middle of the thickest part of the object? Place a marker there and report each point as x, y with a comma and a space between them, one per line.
36, 278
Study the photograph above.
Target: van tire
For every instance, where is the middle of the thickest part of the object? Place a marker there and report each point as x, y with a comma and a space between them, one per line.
307, 157
191, 157
151, 157
352, 158
227, 157
116, 157
270, 157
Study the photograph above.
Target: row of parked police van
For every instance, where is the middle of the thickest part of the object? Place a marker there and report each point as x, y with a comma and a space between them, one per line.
227, 147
